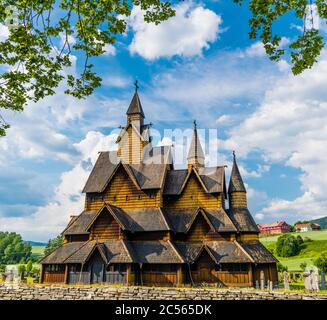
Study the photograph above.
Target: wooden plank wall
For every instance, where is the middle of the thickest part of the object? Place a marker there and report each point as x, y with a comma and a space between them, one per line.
116, 192
54, 277
238, 200
194, 196
105, 227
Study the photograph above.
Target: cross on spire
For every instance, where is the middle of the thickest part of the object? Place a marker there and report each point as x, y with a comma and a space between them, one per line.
136, 84
194, 124
234, 154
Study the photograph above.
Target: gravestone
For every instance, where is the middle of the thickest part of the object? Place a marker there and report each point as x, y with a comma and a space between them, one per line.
257, 284
323, 281
307, 280
262, 280
315, 279
286, 279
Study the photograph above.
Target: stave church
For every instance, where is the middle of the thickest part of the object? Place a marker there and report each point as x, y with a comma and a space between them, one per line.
146, 223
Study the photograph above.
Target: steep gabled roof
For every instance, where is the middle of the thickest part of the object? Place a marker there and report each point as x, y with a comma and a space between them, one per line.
142, 219
195, 151
102, 171
135, 106
192, 251
242, 219
220, 220
213, 178
80, 223
258, 252
117, 252
235, 183
61, 254
174, 181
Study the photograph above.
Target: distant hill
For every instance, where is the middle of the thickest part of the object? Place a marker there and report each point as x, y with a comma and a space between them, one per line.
36, 244
322, 222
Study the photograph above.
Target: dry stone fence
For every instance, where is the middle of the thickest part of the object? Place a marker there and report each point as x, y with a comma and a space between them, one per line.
56, 292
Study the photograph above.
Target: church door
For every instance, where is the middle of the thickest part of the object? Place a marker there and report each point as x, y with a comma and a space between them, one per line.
97, 269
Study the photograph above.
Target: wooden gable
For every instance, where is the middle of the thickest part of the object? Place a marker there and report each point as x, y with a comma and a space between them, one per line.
194, 195
199, 229
124, 192
105, 226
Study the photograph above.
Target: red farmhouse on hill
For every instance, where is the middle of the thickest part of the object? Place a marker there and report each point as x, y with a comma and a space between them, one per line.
274, 227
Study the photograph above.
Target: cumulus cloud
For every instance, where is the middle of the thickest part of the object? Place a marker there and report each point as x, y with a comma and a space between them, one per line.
290, 126
4, 32
190, 31
49, 220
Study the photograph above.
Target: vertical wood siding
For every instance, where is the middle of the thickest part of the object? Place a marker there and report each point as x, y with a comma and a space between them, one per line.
105, 227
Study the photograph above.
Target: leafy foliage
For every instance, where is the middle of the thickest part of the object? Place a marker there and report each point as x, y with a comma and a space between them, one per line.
43, 35
29, 266
303, 265
13, 249
306, 48
21, 269
321, 262
281, 267
53, 244
287, 246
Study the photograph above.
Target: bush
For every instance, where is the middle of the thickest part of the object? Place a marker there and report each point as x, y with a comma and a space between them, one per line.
36, 270
321, 262
307, 239
287, 246
2, 268
21, 269
299, 239
29, 267
281, 267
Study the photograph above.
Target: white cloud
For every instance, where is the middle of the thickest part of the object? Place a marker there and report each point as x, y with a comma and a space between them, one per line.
110, 50
49, 220
290, 127
117, 81
190, 31
4, 32
260, 216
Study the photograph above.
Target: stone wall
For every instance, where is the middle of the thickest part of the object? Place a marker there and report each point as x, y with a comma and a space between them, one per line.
43, 292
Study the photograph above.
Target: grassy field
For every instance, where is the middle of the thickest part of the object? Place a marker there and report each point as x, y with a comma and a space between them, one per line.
310, 250
37, 251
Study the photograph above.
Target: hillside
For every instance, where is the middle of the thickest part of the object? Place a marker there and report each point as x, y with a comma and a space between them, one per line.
310, 250
322, 222
36, 244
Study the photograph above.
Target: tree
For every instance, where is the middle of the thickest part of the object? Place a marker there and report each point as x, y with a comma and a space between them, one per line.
13, 249
21, 269
29, 266
287, 246
37, 64
299, 239
291, 228
321, 262
36, 61
53, 244
2, 268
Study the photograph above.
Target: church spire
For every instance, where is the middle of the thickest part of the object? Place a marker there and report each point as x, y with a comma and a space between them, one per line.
236, 189
135, 109
195, 156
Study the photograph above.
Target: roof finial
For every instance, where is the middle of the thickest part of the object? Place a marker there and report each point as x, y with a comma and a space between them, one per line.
136, 84
194, 124
234, 155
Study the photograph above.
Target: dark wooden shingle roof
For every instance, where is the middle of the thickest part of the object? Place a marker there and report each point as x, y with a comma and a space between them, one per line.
189, 250
155, 252
236, 183
227, 252
61, 254
220, 220
118, 252
142, 219
101, 173
80, 223
82, 254
135, 106
174, 181
243, 220
258, 252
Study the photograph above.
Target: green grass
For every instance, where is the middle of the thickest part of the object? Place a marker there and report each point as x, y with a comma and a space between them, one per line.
37, 251
309, 251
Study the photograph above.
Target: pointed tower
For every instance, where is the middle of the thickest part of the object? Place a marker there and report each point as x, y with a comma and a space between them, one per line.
135, 136
236, 189
195, 158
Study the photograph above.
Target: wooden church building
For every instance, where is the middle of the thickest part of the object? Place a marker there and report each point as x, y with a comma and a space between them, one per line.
146, 223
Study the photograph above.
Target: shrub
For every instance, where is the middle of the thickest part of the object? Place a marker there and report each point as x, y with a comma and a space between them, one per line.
303, 265
29, 266
2, 268
307, 239
35, 270
21, 269
287, 246
321, 262
299, 239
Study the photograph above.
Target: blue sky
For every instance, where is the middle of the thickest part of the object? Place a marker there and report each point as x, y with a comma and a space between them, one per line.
200, 64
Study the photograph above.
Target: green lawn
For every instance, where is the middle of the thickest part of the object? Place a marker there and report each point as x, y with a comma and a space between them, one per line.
309, 251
